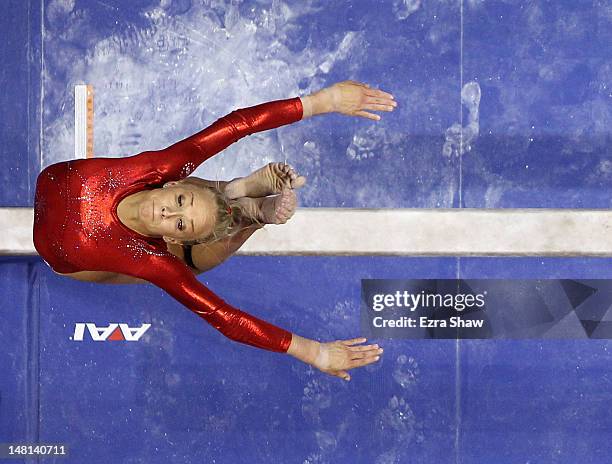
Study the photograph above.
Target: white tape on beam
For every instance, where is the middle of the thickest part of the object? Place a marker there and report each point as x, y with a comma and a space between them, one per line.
80, 121
403, 232
83, 121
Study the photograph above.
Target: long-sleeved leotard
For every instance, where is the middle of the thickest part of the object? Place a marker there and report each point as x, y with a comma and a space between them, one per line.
76, 226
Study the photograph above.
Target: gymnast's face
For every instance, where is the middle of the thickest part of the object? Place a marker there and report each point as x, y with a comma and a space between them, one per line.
179, 211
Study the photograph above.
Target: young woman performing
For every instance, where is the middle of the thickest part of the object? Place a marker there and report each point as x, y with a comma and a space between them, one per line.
115, 215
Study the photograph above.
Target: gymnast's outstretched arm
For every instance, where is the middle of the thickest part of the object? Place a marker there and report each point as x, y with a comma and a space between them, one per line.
102, 277
334, 358
173, 276
182, 158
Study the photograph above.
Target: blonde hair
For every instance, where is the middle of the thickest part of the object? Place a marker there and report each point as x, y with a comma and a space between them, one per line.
228, 220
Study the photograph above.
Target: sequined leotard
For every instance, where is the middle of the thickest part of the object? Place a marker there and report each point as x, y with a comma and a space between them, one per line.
76, 226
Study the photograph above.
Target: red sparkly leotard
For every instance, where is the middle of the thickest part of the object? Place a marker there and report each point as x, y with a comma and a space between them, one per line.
76, 226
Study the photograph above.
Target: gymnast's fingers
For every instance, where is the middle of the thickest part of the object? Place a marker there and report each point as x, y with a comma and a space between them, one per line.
365, 114
375, 107
364, 348
342, 374
381, 101
365, 353
353, 341
363, 362
379, 94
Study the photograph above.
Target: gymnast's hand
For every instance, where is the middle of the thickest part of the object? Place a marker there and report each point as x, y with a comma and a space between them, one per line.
350, 98
336, 358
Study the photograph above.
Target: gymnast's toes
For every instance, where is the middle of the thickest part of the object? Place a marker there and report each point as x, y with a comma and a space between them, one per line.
286, 204
286, 176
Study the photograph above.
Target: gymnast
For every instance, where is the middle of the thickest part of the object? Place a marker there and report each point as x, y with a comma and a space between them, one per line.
131, 220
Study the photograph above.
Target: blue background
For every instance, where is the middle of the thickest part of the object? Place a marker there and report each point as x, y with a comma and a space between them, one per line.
186, 394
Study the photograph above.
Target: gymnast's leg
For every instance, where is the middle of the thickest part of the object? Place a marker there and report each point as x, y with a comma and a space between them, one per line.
271, 179
268, 180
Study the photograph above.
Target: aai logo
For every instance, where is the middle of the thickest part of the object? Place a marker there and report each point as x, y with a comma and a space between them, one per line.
112, 332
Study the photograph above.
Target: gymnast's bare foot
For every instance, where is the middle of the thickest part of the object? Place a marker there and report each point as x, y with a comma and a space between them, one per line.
269, 180
270, 210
